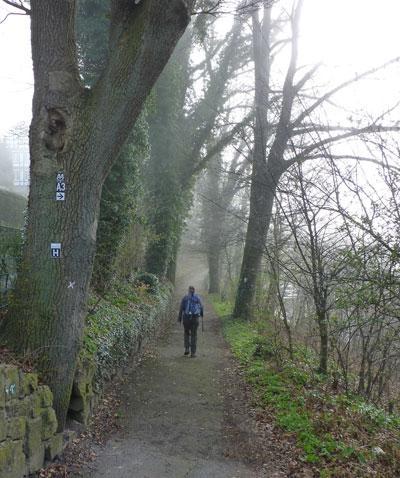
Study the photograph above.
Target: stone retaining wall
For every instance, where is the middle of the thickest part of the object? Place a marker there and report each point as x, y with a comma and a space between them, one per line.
117, 349
28, 424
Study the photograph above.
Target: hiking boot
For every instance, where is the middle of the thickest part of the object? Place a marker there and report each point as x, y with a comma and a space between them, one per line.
186, 352
192, 355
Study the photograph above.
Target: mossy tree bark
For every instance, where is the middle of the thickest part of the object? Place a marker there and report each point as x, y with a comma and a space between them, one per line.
78, 132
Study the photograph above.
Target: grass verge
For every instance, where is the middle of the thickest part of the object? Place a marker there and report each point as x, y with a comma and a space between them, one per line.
338, 435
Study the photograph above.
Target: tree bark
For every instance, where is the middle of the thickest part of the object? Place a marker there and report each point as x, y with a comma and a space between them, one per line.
213, 257
77, 132
267, 171
263, 181
324, 342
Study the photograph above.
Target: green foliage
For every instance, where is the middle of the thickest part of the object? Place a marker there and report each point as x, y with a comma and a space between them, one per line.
10, 243
92, 23
119, 204
376, 416
168, 176
10, 254
221, 307
149, 280
126, 315
333, 431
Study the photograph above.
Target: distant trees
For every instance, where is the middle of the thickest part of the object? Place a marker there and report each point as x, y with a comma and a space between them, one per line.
76, 135
219, 189
186, 132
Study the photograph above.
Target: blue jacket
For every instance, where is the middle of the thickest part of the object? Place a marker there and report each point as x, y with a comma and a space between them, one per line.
185, 305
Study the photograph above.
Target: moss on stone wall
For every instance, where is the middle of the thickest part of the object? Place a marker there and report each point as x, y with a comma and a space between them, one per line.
27, 423
116, 330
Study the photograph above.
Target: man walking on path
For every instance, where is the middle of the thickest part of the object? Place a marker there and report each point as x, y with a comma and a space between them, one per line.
190, 310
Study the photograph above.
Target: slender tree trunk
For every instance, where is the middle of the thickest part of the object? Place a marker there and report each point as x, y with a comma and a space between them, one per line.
261, 204
213, 215
324, 342
285, 319
214, 261
171, 270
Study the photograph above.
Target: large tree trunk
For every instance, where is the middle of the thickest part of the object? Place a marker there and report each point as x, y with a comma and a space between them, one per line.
266, 170
262, 188
78, 133
261, 202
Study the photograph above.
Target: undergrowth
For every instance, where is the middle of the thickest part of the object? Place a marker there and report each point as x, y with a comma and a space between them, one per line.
338, 434
128, 313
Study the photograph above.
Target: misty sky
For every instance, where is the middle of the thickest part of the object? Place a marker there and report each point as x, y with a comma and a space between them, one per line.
347, 35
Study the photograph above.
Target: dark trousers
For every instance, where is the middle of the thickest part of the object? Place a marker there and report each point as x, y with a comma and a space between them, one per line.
190, 325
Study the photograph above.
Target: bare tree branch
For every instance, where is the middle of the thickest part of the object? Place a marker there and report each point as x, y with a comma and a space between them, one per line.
383, 164
330, 93
300, 157
18, 5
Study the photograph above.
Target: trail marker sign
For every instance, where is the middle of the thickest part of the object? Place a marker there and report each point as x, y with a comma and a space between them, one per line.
60, 187
55, 250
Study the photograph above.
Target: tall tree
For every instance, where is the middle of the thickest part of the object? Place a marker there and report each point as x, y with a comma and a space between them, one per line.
264, 174
291, 136
75, 136
183, 138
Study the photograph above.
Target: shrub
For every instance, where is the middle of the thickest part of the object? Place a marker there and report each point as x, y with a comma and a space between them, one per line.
149, 280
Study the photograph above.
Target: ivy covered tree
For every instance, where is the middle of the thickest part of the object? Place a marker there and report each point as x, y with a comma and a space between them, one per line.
185, 133
122, 186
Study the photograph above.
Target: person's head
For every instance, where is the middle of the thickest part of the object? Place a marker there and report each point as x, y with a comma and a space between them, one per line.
191, 290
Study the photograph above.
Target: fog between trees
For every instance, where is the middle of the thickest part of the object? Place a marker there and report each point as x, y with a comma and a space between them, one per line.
233, 149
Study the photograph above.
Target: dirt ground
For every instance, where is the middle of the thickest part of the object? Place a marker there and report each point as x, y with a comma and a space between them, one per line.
173, 416
193, 418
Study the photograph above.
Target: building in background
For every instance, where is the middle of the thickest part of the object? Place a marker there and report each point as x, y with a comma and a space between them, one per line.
17, 144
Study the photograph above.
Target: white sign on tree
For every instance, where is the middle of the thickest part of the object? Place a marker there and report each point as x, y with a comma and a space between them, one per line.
60, 187
55, 250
